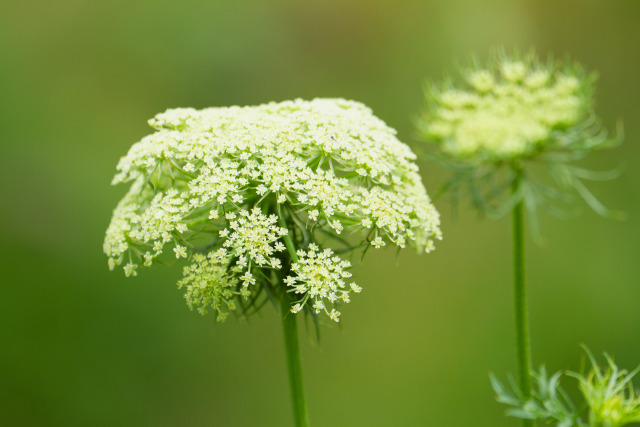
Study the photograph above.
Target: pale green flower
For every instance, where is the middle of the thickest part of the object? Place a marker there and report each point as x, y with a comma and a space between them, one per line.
500, 121
508, 110
239, 190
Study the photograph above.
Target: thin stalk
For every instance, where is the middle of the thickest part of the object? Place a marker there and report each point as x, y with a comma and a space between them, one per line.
292, 348
520, 298
291, 345
287, 237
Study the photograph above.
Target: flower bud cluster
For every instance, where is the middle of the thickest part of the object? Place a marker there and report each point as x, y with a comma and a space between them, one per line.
510, 130
609, 394
507, 110
610, 398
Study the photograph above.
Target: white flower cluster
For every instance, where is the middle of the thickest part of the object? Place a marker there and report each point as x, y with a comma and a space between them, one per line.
252, 238
320, 279
507, 113
238, 181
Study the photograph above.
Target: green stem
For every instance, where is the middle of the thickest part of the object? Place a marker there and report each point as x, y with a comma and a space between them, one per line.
292, 348
520, 298
290, 330
287, 237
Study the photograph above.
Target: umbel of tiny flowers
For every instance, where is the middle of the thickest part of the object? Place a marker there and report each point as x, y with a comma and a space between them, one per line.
610, 400
495, 128
264, 203
510, 121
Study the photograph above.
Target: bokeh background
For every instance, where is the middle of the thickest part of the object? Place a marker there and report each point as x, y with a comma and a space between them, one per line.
80, 346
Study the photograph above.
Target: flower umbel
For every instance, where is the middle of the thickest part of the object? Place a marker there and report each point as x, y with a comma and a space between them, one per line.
237, 191
320, 277
503, 119
508, 112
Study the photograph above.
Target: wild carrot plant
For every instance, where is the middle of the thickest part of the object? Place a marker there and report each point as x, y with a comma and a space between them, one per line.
510, 132
267, 203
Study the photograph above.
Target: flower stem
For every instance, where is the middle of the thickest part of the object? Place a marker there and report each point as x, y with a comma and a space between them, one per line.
292, 348
287, 238
520, 298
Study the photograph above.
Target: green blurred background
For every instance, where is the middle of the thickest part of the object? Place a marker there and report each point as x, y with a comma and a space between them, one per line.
81, 346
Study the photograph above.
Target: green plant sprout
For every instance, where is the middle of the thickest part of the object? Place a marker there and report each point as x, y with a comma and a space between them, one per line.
499, 128
264, 203
610, 399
